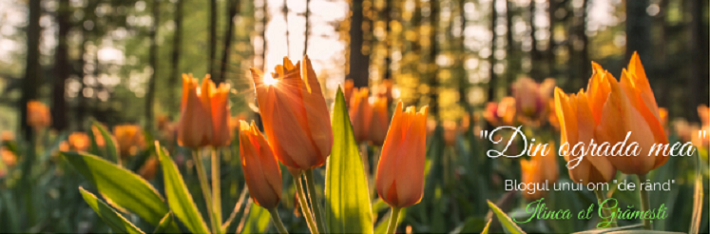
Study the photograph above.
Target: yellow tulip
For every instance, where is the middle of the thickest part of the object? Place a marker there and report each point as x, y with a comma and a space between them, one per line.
539, 169
400, 172
380, 121
360, 114
295, 116
195, 126
261, 170
38, 115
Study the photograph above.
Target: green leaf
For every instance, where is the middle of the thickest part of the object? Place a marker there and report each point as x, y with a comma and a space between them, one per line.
121, 187
697, 200
384, 221
179, 199
111, 148
347, 199
164, 223
488, 225
507, 223
258, 220
114, 220
470, 225
608, 230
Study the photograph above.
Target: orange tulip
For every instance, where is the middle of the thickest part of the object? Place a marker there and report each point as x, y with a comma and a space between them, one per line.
531, 97
502, 113
450, 132
348, 87
38, 115
294, 113
539, 169
9, 158
7, 136
219, 103
129, 138
380, 121
149, 168
195, 126
78, 141
360, 114
400, 172
384, 90
704, 114
261, 170
627, 106
577, 125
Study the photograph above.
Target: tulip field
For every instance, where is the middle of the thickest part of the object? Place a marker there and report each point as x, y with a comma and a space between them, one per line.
354, 116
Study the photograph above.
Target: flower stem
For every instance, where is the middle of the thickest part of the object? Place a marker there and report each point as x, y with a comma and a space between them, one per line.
315, 204
607, 213
305, 211
202, 176
277, 221
392, 226
645, 202
216, 191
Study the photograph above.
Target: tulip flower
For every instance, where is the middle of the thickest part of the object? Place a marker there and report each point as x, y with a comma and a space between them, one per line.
502, 113
531, 98
78, 141
219, 103
360, 114
384, 90
261, 170
295, 116
129, 138
195, 126
380, 121
149, 168
450, 132
400, 172
577, 125
8, 158
541, 168
7, 136
627, 106
348, 87
38, 115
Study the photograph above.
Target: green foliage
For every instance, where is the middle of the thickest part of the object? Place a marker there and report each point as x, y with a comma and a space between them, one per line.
117, 222
508, 224
347, 196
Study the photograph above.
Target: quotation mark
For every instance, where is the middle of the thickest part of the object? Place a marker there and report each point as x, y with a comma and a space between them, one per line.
702, 134
484, 134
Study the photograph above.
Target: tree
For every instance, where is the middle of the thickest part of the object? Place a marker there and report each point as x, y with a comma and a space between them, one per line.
32, 66
359, 62
153, 60
213, 36
61, 67
232, 11
175, 57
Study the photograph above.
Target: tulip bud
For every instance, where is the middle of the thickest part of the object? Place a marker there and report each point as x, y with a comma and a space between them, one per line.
219, 104
78, 141
541, 168
195, 126
400, 172
295, 116
262, 172
360, 114
380, 121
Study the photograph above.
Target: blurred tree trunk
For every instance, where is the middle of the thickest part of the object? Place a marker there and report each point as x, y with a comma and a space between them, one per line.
153, 60
32, 67
359, 62
433, 67
512, 57
306, 31
213, 36
551, 60
638, 30
284, 10
388, 38
264, 22
698, 64
232, 12
175, 58
61, 67
463, 76
492, 80
535, 56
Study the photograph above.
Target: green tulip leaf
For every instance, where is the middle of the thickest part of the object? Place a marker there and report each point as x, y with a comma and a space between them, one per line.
179, 199
347, 199
114, 220
507, 223
121, 187
111, 148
